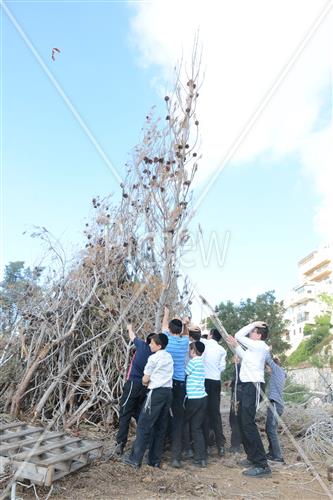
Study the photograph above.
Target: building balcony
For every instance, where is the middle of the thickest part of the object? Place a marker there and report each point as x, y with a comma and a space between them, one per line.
301, 295
316, 262
322, 274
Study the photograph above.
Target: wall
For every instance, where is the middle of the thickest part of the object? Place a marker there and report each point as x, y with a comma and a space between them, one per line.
310, 377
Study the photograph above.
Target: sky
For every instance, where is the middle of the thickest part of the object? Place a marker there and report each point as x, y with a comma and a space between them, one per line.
265, 105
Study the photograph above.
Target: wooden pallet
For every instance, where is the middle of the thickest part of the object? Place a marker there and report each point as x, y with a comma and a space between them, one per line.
43, 456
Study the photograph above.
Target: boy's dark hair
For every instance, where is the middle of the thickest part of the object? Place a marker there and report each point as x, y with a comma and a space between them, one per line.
160, 339
194, 334
175, 326
204, 336
198, 347
277, 361
216, 334
263, 330
149, 337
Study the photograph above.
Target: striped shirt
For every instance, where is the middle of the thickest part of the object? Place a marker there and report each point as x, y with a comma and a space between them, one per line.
178, 348
195, 380
277, 381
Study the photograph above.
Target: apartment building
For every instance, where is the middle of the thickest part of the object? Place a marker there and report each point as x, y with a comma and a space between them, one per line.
303, 304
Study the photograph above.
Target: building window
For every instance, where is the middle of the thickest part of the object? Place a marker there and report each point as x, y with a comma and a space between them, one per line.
300, 329
302, 316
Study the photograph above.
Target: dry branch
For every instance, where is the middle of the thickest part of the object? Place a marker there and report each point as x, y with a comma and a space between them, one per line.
67, 354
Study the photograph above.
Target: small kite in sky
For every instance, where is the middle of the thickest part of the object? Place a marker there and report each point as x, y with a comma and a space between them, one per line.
54, 50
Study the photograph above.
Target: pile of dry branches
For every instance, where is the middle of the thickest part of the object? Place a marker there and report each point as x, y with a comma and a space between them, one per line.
66, 357
314, 427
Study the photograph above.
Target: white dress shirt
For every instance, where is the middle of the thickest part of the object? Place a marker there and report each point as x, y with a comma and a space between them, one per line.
160, 369
214, 358
253, 358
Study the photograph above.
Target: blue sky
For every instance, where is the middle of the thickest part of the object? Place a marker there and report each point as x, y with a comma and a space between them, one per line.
51, 171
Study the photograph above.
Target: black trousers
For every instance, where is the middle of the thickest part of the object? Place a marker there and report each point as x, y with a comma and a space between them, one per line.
131, 402
177, 421
236, 438
195, 412
213, 418
251, 439
152, 425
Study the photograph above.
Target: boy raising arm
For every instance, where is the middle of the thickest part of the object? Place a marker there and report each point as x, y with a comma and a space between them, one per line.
251, 374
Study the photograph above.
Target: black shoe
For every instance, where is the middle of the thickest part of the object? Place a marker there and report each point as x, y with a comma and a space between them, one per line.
221, 451
235, 449
157, 465
258, 472
119, 450
129, 461
200, 463
175, 464
271, 458
187, 454
246, 463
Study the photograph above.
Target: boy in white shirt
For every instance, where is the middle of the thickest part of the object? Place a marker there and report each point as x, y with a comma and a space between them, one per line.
153, 418
250, 346
214, 359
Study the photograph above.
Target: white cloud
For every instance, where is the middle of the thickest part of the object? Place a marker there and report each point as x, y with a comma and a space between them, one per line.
316, 155
245, 47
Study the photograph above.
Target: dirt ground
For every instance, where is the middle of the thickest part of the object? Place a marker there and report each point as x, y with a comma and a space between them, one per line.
111, 479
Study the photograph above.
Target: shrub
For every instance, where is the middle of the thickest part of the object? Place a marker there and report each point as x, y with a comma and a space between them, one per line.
295, 393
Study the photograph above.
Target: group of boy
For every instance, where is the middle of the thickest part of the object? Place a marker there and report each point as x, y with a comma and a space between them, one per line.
173, 390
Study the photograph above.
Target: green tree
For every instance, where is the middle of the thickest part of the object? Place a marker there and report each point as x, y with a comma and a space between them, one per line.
317, 337
266, 308
18, 283
328, 300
